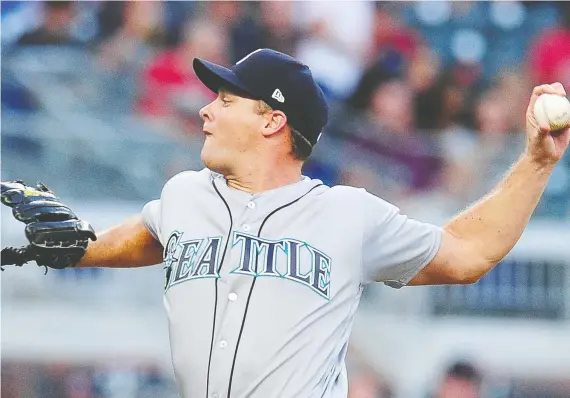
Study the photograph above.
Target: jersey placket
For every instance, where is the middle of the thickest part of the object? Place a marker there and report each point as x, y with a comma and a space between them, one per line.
232, 335
232, 300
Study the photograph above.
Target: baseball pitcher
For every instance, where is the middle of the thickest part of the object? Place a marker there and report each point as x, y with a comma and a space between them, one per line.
264, 266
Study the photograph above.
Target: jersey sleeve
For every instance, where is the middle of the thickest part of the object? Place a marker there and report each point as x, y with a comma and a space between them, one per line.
395, 247
151, 218
152, 214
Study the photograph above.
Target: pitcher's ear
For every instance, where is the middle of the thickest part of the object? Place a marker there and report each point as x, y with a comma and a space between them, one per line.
275, 122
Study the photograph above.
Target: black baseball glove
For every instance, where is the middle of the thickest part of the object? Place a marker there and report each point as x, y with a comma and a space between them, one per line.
58, 239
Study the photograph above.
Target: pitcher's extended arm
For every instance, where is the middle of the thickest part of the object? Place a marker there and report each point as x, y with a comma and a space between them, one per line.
126, 245
477, 239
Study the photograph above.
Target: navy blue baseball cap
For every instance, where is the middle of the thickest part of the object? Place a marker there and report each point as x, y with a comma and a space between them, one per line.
280, 80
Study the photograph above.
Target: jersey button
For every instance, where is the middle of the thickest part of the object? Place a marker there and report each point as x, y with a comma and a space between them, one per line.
232, 297
246, 227
223, 344
215, 395
251, 205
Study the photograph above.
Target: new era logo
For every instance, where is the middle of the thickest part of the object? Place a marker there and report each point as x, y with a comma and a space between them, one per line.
278, 95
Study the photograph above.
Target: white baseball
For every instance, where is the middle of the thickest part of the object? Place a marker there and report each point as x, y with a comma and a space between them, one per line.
554, 110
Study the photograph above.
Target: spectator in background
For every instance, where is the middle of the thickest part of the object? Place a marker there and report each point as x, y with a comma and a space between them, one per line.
550, 54
392, 157
267, 24
238, 21
442, 110
442, 101
277, 30
424, 76
337, 41
499, 144
141, 28
169, 85
176, 13
515, 86
227, 13
390, 107
110, 18
462, 380
55, 28
391, 38
492, 116
476, 160
123, 51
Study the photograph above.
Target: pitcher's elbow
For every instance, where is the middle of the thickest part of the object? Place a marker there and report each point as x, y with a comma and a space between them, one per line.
468, 278
474, 272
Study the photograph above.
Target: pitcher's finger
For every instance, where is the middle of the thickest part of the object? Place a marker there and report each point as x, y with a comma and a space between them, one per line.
559, 88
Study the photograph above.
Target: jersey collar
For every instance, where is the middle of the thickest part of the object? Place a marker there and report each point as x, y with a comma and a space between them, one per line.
277, 195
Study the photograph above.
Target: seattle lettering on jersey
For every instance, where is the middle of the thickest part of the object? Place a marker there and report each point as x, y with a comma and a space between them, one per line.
300, 262
191, 259
289, 259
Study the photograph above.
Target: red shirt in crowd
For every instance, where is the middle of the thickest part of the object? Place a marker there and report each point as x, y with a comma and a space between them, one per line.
166, 76
550, 57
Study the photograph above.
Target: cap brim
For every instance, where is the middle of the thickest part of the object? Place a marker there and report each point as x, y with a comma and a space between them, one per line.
215, 77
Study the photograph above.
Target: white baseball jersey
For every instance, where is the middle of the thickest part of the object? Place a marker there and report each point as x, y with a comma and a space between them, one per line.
261, 289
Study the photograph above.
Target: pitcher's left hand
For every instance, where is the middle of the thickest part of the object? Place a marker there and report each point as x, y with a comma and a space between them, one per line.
544, 148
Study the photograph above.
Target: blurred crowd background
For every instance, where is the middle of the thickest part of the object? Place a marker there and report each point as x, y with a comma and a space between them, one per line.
99, 101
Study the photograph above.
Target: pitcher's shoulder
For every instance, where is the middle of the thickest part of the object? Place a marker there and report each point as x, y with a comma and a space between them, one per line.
342, 196
189, 178
345, 192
